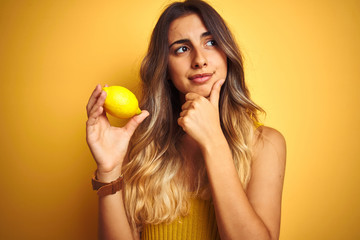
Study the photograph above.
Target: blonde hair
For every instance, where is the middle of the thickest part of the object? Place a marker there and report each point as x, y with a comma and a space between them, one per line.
152, 190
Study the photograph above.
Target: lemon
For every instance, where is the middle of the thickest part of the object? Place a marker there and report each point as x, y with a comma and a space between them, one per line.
121, 102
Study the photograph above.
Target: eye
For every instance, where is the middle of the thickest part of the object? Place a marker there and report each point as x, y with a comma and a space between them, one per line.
181, 49
211, 43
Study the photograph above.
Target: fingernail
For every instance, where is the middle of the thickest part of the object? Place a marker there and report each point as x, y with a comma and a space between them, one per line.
222, 82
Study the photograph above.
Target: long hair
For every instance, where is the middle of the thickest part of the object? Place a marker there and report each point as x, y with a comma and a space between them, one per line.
152, 190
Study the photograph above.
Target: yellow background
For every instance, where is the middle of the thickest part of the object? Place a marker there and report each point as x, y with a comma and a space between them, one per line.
302, 66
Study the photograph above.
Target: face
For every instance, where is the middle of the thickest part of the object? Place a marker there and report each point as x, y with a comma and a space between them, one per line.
195, 60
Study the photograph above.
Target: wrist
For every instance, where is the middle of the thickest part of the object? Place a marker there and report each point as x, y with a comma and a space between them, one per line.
217, 155
214, 142
215, 146
108, 176
107, 188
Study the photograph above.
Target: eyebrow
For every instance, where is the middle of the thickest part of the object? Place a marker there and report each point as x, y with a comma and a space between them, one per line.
205, 34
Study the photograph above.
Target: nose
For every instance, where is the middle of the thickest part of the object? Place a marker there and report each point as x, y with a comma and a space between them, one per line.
199, 60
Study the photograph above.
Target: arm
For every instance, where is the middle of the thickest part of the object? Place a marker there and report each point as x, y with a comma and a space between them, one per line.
254, 214
113, 223
108, 146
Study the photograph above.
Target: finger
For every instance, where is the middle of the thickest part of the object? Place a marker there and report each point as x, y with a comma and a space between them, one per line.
188, 104
191, 96
215, 92
96, 112
98, 109
184, 113
94, 116
92, 100
134, 122
180, 122
99, 103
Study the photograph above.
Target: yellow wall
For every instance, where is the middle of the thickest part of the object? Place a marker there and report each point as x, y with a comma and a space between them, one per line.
302, 66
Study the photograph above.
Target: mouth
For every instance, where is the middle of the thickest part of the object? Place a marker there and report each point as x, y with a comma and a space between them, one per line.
201, 78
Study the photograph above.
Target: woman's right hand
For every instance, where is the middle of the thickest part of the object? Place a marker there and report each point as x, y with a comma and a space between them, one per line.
108, 144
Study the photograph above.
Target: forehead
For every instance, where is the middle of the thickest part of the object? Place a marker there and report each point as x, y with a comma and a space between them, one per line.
186, 27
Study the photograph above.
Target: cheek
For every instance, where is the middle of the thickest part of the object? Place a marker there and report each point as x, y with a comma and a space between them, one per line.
171, 72
176, 71
173, 69
174, 76
220, 61
225, 69
224, 64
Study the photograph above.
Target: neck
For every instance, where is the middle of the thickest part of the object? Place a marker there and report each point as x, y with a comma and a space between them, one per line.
191, 153
182, 98
189, 144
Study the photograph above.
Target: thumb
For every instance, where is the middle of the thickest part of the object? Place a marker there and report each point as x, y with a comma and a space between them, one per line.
215, 92
134, 122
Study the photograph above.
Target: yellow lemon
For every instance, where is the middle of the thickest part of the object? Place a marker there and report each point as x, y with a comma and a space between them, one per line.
120, 102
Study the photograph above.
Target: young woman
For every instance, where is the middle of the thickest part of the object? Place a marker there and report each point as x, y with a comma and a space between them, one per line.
200, 166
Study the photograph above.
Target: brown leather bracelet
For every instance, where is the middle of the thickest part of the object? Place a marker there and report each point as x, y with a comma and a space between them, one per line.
104, 189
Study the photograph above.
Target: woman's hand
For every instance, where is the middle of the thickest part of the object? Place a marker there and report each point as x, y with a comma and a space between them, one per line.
200, 116
108, 144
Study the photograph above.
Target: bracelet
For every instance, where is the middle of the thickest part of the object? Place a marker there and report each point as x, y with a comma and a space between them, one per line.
104, 189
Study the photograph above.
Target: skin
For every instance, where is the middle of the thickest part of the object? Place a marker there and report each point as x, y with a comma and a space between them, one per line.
108, 146
193, 51
254, 214
239, 214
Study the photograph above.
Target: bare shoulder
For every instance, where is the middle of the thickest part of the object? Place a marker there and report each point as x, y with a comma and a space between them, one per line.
268, 140
267, 177
269, 156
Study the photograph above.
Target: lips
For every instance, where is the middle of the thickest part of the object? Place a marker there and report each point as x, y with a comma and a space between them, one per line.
201, 78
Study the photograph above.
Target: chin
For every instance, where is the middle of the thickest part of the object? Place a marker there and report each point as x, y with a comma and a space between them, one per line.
204, 91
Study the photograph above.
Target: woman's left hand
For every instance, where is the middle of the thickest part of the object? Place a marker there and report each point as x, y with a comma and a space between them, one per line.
200, 116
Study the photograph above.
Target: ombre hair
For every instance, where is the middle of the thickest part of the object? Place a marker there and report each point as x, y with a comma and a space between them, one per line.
153, 189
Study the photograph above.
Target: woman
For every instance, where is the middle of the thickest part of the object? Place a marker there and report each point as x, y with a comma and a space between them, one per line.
199, 166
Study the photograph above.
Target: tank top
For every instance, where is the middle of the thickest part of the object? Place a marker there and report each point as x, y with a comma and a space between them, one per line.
200, 223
